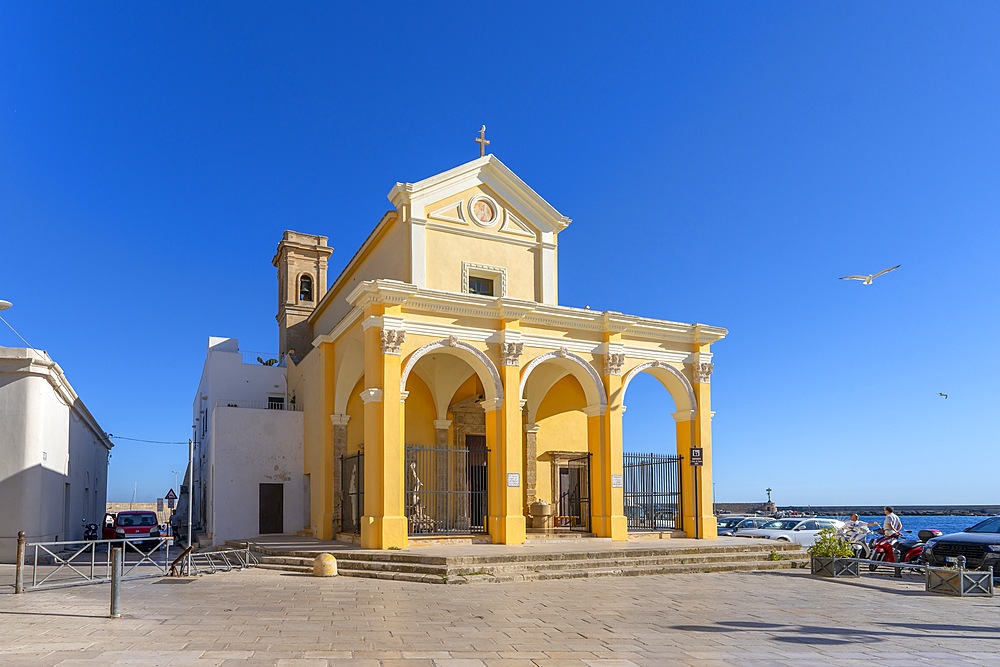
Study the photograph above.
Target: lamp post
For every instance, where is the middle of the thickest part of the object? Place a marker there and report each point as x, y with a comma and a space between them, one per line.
4, 305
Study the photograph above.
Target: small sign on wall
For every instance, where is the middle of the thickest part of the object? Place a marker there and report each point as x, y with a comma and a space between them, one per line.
617, 482
697, 456
513, 479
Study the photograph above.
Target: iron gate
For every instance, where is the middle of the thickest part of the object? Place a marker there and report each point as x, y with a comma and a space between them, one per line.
652, 491
352, 492
446, 490
573, 506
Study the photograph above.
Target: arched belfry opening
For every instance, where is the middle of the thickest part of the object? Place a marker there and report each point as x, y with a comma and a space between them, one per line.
306, 288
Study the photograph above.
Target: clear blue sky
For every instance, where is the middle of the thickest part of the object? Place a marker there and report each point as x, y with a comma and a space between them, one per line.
722, 162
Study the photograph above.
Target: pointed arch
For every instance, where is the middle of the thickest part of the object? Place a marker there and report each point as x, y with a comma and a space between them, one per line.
481, 364
673, 380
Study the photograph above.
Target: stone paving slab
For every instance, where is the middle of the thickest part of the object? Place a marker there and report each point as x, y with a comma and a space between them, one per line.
271, 619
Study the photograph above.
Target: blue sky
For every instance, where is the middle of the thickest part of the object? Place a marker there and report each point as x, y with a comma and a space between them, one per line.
722, 162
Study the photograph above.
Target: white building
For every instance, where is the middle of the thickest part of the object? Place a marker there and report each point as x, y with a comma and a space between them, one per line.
53, 454
248, 470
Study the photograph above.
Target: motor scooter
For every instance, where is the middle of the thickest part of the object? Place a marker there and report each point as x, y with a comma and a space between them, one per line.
89, 531
897, 549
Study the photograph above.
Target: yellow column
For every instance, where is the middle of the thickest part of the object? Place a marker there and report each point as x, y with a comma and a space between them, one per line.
384, 524
323, 484
696, 430
607, 480
507, 520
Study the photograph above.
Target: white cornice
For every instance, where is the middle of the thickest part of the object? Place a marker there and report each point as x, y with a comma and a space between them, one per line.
27, 361
564, 317
490, 171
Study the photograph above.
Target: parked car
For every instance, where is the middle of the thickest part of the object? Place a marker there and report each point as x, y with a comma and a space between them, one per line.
138, 525
980, 544
727, 523
801, 530
748, 523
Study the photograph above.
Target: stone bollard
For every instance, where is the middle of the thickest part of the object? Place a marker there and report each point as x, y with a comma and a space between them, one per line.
325, 565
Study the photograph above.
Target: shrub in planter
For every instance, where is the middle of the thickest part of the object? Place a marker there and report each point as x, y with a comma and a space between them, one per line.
832, 556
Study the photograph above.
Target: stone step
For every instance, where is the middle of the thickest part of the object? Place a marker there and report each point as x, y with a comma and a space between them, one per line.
746, 566
665, 560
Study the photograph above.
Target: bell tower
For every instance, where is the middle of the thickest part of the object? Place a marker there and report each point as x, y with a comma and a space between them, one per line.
301, 261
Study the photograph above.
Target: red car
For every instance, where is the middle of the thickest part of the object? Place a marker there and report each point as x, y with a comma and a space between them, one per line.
131, 525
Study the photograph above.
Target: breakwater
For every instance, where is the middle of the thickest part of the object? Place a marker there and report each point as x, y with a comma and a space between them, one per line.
902, 510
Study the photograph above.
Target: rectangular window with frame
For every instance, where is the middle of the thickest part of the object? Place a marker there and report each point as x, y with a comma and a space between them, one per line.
481, 286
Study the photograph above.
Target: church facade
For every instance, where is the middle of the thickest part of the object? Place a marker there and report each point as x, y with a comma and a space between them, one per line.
446, 391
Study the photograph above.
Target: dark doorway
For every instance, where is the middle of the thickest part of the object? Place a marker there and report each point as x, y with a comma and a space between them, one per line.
476, 477
272, 508
574, 494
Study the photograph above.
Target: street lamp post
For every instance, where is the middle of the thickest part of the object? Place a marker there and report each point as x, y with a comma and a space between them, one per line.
4, 305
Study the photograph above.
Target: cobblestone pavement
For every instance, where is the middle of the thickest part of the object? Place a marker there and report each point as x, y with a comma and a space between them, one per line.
260, 617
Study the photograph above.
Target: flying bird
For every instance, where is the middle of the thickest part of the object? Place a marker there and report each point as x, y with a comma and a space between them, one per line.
867, 280
940, 394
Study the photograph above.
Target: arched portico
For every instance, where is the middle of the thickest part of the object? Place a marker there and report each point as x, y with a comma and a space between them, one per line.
692, 429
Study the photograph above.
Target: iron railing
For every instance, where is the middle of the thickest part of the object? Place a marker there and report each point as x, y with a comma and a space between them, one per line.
352, 492
262, 358
446, 490
652, 491
75, 563
259, 405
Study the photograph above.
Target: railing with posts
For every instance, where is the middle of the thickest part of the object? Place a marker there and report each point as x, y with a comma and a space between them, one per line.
652, 491
262, 358
446, 490
259, 405
43, 565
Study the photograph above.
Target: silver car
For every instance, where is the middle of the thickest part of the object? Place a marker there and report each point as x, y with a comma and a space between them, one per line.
747, 523
801, 530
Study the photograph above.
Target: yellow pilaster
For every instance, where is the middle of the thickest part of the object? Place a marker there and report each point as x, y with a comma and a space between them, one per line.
322, 482
695, 430
606, 464
508, 524
384, 524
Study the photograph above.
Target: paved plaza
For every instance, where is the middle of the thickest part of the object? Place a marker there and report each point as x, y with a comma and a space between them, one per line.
261, 617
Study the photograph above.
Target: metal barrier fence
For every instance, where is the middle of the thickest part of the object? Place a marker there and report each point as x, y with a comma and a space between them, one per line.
352, 492
446, 490
75, 563
652, 491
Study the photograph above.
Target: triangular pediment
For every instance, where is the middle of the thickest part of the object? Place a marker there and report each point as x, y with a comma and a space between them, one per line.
518, 209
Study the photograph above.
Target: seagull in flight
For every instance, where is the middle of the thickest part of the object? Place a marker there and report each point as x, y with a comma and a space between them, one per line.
867, 280
941, 394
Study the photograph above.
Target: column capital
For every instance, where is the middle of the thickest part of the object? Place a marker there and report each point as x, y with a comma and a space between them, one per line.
491, 404
403, 395
531, 428
510, 353
392, 340
442, 424
340, 420
594, 410
373, 395
613, 363
684, 415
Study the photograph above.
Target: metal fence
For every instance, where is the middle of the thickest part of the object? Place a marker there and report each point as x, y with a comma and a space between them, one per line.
446, 490
573, 505
652, 491
352, 492
60, 564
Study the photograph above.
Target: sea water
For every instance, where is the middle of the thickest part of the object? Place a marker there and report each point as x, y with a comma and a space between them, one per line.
945, 523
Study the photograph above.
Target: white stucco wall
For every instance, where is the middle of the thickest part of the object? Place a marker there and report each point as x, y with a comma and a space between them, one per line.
240, 444
254, 447
53, 454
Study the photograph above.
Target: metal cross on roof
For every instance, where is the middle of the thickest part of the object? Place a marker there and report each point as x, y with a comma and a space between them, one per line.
482, 141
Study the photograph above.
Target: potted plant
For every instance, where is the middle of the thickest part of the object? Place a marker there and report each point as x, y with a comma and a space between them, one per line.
832, 556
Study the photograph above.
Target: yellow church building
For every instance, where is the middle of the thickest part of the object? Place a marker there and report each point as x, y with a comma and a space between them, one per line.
446, 392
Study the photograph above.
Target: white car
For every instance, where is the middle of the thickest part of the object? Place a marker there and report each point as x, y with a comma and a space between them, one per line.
801, 530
